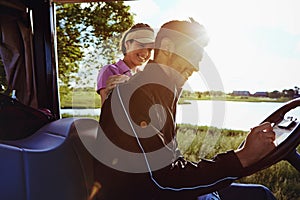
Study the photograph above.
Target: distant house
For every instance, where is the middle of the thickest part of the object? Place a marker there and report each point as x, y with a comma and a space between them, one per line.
241, 93
260, 94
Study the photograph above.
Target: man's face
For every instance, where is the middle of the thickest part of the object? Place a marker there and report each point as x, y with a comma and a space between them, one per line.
185, 68
189, 63
138, 53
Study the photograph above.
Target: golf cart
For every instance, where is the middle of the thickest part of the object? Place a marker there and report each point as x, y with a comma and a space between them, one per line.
42, 164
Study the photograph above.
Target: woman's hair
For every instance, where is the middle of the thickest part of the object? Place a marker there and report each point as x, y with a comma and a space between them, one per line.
133, 28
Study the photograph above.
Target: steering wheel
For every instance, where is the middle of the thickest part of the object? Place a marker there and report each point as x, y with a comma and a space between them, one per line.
287, 130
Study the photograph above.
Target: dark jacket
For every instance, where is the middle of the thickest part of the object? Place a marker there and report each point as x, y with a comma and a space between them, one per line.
143, 161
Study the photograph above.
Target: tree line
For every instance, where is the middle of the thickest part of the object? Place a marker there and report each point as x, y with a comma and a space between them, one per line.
285, 93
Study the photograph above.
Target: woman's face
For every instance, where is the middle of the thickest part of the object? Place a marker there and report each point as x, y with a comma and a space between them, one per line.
138, 53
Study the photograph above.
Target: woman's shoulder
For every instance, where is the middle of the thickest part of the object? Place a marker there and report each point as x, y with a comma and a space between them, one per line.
111, 66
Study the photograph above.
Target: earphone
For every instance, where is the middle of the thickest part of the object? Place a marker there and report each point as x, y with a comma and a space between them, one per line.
148, 164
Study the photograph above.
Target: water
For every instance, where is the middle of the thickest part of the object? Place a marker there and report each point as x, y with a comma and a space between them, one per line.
222, 114
225, 114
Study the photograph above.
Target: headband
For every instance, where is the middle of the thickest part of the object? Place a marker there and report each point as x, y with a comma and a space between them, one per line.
141, 35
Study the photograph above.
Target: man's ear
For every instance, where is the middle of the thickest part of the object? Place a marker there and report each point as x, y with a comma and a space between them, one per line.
126, 45
168, 46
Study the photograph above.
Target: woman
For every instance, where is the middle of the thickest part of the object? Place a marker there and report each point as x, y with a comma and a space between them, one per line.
136, 46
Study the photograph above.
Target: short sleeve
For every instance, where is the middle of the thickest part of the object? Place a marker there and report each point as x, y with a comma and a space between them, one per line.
104, 74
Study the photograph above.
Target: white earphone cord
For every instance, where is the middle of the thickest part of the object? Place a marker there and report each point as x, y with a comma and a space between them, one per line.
147, 162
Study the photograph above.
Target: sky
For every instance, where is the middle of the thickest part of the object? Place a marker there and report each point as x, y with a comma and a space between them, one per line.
254, 44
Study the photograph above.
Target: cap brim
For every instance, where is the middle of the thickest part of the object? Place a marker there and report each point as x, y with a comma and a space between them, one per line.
144, 40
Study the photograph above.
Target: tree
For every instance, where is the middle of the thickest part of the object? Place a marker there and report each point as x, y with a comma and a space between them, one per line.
289, 93
296, 89
98, 25
275, 94
198, 94
89, 67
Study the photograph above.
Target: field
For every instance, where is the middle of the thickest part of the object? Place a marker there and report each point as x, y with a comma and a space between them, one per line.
204, 142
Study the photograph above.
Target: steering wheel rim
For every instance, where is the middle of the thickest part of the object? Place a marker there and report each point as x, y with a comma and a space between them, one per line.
286, 150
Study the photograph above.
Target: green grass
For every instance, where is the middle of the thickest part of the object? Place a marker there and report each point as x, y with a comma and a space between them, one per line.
80, 99
204, 142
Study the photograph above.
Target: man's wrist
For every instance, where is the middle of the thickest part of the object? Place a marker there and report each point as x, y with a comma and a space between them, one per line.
244, 158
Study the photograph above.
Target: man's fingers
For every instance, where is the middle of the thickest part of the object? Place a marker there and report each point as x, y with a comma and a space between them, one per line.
270, 134
266, 126
265, 130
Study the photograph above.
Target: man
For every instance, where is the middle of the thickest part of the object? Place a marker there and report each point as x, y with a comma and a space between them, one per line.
137, 149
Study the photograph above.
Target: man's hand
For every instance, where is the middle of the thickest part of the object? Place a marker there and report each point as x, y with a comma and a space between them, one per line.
259, 142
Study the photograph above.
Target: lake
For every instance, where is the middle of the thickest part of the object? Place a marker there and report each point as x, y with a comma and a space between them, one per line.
221, 114
226, 114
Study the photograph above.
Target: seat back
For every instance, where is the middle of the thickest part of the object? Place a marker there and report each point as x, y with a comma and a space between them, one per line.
50, 164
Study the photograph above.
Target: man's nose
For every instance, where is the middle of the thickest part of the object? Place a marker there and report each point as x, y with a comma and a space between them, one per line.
144, 52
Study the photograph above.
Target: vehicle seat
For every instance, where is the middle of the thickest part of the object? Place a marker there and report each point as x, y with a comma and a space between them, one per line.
51, 164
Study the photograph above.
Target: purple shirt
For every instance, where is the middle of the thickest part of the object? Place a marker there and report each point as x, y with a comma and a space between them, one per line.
111, 69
